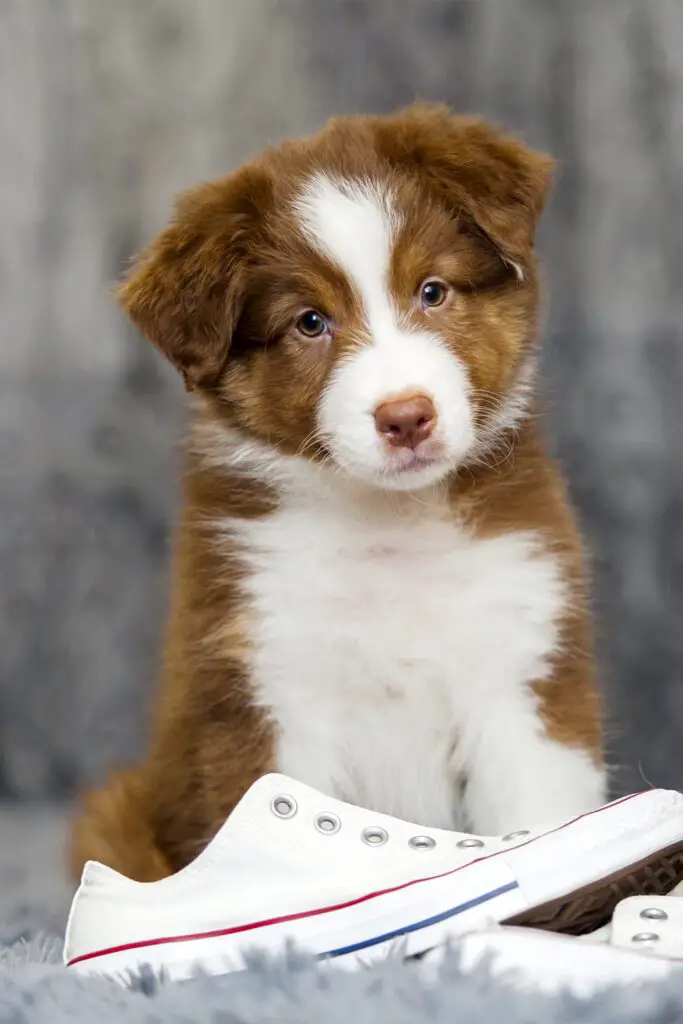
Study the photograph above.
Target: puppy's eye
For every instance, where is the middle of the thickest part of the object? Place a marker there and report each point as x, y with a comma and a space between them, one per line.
312, 324
433, 293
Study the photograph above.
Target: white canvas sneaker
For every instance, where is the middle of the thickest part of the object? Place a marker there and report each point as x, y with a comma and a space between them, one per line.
644, 942
292, 865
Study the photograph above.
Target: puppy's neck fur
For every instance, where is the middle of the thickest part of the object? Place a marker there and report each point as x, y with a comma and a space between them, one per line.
218, 449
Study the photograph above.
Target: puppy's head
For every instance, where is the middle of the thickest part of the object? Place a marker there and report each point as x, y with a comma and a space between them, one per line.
367, 296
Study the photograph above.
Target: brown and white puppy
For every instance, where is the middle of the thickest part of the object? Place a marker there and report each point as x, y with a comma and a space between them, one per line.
378, 584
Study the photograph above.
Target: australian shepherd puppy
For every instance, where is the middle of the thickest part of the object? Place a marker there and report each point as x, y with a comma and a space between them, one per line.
378, 584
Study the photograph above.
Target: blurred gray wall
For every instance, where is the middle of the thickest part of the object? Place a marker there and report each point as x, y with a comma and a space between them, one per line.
108, 108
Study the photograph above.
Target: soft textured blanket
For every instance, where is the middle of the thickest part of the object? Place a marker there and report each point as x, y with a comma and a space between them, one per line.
36, 989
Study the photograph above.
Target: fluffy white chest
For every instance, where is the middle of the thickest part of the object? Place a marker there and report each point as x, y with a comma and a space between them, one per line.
385, 638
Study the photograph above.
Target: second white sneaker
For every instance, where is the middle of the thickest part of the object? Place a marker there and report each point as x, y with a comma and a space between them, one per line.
643, 943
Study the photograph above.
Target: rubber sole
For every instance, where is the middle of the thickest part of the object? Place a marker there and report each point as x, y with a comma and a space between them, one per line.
582, 911
590, 908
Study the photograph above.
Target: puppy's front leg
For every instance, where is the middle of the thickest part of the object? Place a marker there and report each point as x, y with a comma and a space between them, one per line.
519, 777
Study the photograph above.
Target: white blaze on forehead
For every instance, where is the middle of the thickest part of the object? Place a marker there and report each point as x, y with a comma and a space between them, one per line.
354, 224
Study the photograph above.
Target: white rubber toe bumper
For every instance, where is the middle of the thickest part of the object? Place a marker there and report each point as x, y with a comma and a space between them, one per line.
598, 845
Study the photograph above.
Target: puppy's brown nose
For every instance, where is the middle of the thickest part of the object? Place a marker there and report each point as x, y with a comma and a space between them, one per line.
406, 421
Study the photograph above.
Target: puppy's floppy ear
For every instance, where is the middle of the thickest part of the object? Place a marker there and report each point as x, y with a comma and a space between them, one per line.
495, 179
185, 291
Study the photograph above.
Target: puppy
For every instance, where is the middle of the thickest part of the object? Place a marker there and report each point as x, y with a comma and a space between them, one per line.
378, 584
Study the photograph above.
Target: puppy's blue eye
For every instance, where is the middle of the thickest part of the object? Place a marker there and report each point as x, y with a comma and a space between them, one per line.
433, 293
312, 324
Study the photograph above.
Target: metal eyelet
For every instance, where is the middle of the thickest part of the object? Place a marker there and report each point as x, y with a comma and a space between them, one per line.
327, 823
654, 914
374, 835
283, 806
469, 844
422, 843
645, 937
516, 835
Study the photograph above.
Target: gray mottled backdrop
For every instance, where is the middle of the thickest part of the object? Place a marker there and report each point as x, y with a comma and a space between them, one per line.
108, 108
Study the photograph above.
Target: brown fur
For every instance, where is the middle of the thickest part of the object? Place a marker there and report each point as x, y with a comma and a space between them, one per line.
219, 293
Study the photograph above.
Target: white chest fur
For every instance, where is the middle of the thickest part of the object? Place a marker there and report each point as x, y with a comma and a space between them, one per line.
392, 647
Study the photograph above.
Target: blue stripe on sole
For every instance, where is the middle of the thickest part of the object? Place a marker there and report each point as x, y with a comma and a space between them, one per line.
417, 925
